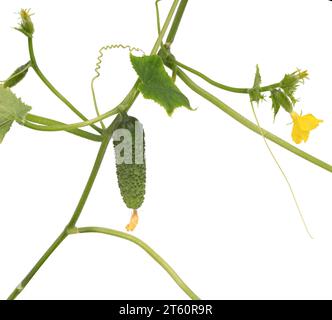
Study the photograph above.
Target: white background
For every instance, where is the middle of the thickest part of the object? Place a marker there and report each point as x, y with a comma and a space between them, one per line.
217, 208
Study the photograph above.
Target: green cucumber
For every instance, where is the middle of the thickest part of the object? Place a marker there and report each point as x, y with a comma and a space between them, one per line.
130, 161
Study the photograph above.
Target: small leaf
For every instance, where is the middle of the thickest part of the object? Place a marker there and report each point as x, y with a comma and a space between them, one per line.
17, 76
275, 104
281, 99
258, 78
290, 83
254, 93
157, 85
11, 109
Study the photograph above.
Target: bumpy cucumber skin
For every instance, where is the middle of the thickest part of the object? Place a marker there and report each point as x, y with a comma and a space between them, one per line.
131, 177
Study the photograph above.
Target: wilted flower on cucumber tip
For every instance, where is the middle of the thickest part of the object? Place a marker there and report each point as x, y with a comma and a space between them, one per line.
133, 221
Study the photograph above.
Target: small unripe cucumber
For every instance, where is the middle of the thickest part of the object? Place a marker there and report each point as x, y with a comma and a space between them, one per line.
131, 173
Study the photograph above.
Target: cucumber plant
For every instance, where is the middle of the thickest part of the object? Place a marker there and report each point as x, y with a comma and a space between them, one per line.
157, 75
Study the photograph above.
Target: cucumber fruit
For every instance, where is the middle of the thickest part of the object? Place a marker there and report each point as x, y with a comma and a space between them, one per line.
130, 161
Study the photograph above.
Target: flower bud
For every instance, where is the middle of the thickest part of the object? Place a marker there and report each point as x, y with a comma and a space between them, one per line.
26, 25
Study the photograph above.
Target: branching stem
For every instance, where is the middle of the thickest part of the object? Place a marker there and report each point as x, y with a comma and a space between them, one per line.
50, 122
147, 249
42, 77
107, 134
223, 86
250, 125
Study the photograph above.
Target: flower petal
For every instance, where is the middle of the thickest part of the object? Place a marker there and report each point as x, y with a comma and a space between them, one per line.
308, 122
305, 135
299, 135
296, 134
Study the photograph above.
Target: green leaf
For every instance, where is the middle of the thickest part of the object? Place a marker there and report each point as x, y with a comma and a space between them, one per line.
258, 78
254, 93
4, 127
17, 76
279, 98
157, 85
275, 104
11, 109
290, 83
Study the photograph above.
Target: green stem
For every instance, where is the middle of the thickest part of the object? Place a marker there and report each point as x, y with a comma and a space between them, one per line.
165, 27
52, 88
95, 102
77, 212
91, 180
176, 22
250, 125
283, 173
223, 86
37, 266
124, 106
158, 16
67, 127
94, 172
50, 122
146, 248
74, 218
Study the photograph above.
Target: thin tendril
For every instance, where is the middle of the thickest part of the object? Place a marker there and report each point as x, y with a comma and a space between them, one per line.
98, 67
282, 172
158, 16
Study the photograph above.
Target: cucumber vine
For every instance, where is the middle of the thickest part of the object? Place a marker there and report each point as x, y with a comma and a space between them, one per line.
155, 83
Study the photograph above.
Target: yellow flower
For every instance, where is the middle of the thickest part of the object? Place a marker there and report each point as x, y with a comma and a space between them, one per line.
302, 125
133, 221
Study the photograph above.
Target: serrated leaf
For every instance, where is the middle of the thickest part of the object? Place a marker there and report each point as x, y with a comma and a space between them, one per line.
157, 85
11, 109
4, 127
290, 83
17, 76
283, 100
254, 93
275, 104
258, 78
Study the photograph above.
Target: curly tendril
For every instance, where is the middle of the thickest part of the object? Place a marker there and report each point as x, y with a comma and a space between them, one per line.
98, 68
